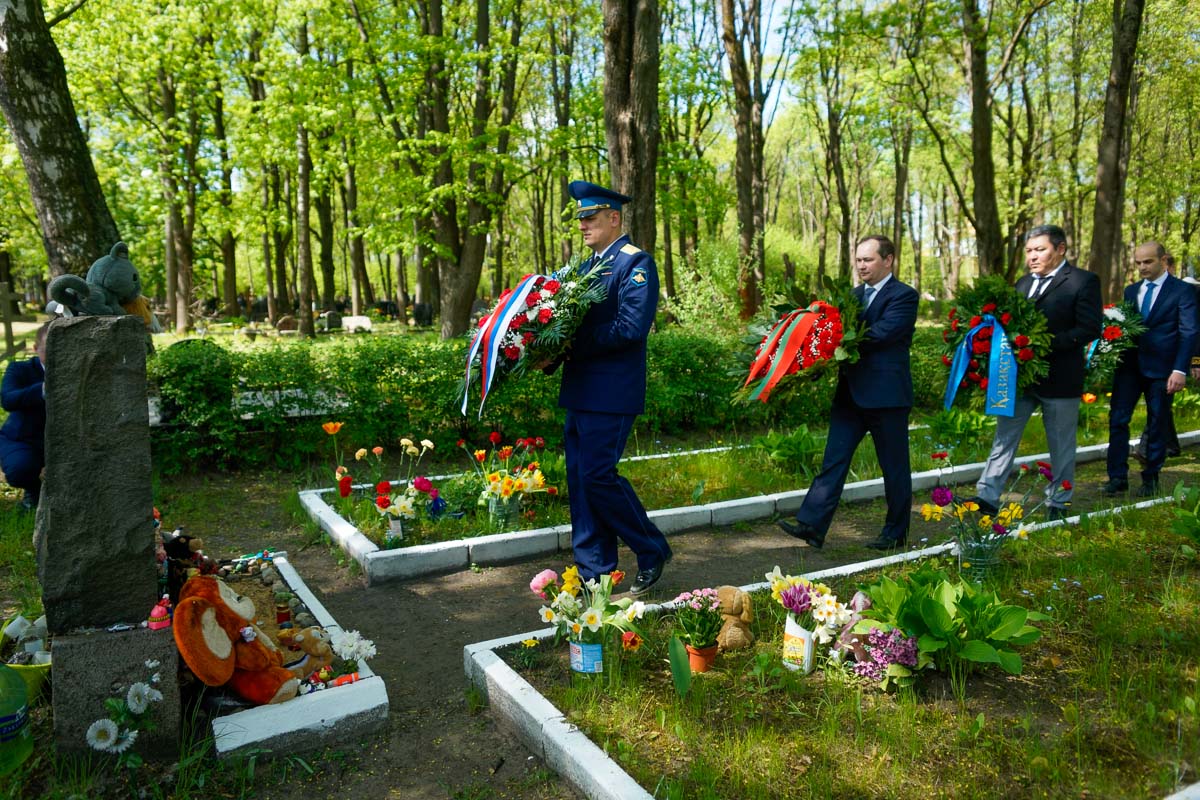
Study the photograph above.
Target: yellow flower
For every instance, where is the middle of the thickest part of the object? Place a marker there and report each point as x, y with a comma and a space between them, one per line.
530, 642
412, 451
539, 480
493, 477
931, 512
966, 565
576, 628
332, 427
360, 454
985, 522
1015, 511
406, 443
519, 485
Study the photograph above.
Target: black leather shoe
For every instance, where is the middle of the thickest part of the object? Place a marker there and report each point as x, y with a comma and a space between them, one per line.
1147, 489
984, 506
646, 579
1114, 487
802, 531
1056, 512
881, 543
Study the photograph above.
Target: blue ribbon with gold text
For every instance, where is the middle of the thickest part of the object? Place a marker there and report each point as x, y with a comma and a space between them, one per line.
1002, 370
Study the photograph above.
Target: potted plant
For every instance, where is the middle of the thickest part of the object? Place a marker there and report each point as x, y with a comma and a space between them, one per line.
585, 614
698, 620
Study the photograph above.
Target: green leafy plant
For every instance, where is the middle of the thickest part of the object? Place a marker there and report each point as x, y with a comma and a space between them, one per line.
799, 450
681, 669
1187, 516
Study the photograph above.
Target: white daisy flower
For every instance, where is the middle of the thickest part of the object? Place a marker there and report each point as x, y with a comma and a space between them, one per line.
138, 697
125, 742
101, 734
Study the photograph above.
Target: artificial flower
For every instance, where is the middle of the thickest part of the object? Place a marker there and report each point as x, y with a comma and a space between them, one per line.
125, 741
332, 427
377, 450
406, 442
102, 734
428, 445
140, 696
360, 454
529, 642
541, 581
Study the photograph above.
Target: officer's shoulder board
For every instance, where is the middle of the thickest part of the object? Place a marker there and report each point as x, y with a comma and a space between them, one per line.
631, 250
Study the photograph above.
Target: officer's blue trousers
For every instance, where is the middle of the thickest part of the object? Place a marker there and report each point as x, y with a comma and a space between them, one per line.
22, 463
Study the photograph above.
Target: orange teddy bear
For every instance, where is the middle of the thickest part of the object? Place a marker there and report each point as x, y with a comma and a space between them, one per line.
216, 635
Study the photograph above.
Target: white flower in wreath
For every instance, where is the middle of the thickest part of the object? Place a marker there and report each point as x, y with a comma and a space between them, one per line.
1115, 313
102, 734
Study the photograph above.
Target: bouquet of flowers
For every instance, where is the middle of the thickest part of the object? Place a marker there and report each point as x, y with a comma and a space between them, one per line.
813, 605
416, 492
996, 341
584, 610
1122, 323
509, 474
531, 324
802, 339
698, 615
350, 647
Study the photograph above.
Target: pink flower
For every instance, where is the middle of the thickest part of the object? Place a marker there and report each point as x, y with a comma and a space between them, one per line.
433, 494
541, 581
422, 484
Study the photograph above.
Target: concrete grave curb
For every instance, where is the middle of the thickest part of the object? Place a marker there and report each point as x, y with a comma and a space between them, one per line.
542, 727
312, 720
381, 566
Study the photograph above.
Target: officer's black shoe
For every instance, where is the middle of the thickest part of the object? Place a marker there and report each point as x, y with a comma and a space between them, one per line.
1114, 487
646, 578
984, 506
802, 531
887, 543
1148, 489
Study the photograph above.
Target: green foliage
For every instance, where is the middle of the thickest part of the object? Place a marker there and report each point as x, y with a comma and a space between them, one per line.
1187, 516
928, 372
799, 451
195, 382
681, 668
949, 429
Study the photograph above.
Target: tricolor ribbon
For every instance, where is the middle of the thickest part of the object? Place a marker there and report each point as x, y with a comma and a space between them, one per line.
1002, 370
783, 343
1091, 351
491, 334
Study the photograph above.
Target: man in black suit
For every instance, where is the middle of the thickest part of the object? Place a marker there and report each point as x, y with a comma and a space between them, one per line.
23, 396
873, 396
1069, 298
1156, 368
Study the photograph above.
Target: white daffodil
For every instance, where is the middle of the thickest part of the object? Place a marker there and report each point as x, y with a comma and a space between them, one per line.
548, 615
138, 697
404, 507
823, 634
591, 618
774, 575
102, 734
635, 611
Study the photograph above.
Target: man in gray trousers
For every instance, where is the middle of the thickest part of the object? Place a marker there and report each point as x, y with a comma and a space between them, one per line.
1069, 297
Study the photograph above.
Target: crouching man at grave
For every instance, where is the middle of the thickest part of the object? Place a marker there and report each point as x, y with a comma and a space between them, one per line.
22, 447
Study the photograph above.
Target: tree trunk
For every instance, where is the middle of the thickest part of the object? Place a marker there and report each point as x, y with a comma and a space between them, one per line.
324, 209
228, 243
359, 281
76, 225
563, 26
631, 125
1106, 259
988, 234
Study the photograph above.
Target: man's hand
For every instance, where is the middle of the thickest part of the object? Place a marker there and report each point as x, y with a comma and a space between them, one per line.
1196, 373
1176, 382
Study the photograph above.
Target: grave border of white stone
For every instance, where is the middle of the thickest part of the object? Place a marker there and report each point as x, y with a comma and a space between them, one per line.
313, 720
381, 566
543, 728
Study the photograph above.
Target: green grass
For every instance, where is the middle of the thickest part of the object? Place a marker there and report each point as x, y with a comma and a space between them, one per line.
1106, 706
19, 589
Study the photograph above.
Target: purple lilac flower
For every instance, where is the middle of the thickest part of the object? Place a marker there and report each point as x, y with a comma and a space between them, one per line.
796, 599
942, 496
886, 649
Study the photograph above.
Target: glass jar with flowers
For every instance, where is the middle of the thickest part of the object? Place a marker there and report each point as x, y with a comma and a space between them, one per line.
815, 616
416, 494
698, 620
584, 613
509, 475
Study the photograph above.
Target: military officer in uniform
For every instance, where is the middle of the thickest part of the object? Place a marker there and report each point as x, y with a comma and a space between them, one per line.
603, 390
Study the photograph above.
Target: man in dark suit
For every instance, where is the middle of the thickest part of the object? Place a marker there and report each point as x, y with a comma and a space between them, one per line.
873, 396
1171, 436
1155, 369
22, 438
603, 390
1069, 298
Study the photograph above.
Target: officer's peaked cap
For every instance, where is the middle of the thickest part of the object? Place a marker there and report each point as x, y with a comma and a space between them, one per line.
592, 198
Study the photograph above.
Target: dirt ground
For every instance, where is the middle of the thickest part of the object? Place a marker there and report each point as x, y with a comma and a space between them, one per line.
435, 744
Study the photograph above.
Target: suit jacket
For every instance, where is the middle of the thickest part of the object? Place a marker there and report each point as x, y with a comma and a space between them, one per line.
21, 396
1071, 305
1170, 337
606, 367
882, 377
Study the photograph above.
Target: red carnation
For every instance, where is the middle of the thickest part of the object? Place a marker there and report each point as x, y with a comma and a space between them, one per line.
953, 313
941, 456
345, 485
945, 336
981, 346
545, 315
550, 286
518, 321
973, 364
974, 377
954, 325
462, 442
983, 383
533, 297
383, 487
1021, 341
1066, 485
526, 337
1024, 354
946, 360
512, 352
494, 437
988, 308
483, 321
539, 442
975, 320
1112, 332
383, 501
1005, 318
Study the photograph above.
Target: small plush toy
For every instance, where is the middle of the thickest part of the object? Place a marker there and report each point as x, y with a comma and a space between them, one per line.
314, 642
112, 282
219, 642
160, 615
738, 610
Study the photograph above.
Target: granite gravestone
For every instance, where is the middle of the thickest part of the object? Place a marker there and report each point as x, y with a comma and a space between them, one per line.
94, 533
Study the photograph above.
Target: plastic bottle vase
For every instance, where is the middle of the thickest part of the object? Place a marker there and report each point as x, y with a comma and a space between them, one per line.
16, 738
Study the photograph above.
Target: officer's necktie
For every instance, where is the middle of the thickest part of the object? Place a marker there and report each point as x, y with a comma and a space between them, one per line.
1147, 299
868, 293
1037, 287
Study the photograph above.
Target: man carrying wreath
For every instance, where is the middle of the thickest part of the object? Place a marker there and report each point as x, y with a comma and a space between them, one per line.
873, 396
603, 390
1069, 298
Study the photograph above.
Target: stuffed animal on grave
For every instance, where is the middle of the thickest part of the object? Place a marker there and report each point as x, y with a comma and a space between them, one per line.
737, 608
185, 559
318, 654
112, 287
218, 640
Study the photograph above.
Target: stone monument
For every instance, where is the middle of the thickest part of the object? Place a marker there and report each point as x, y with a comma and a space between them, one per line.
94, 533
